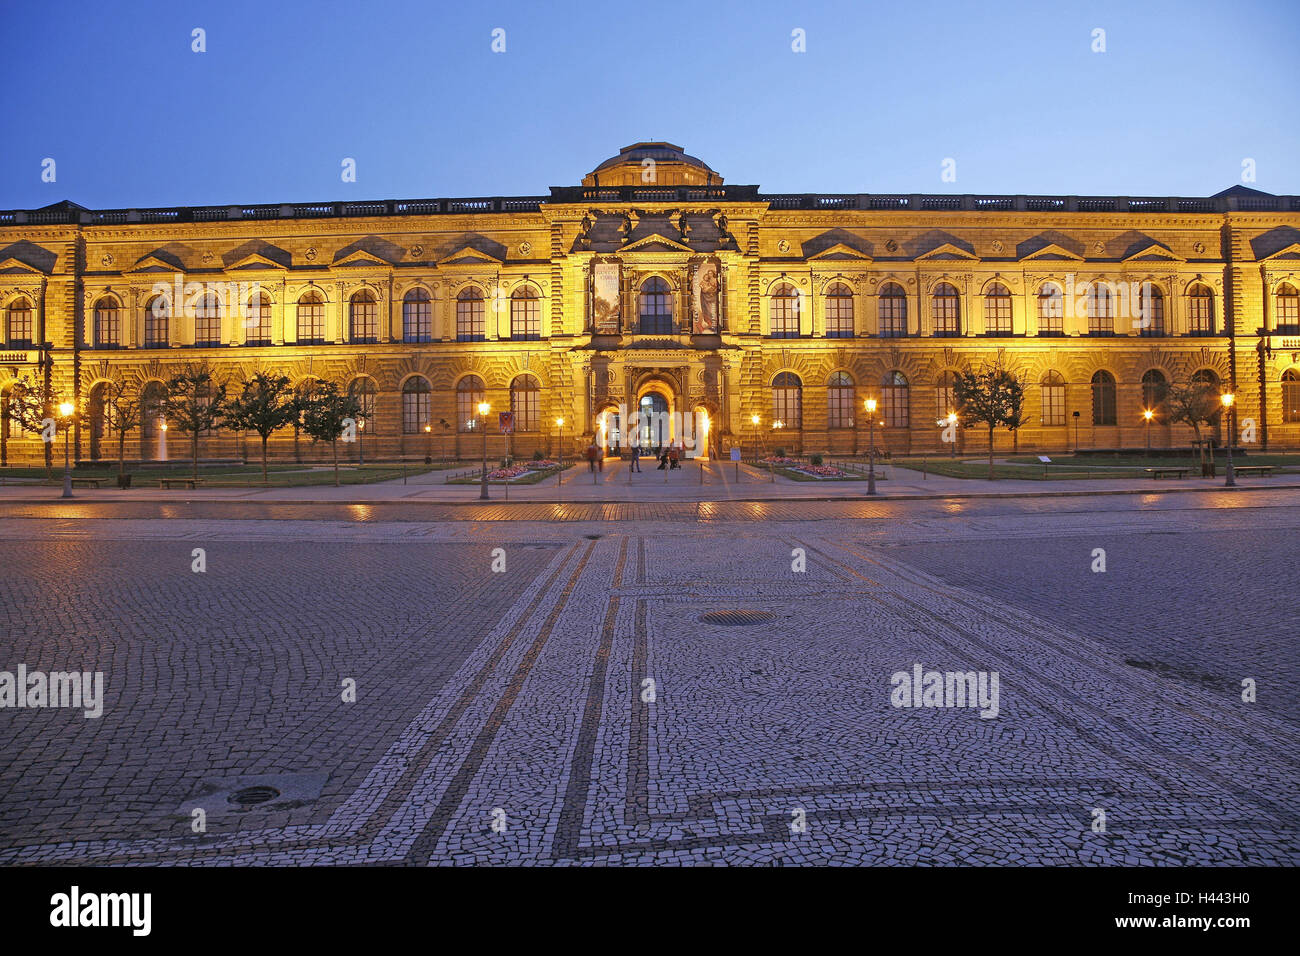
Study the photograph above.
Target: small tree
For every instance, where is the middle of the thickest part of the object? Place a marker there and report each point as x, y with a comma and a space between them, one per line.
195, 403
122, 414
1195, 404
324, 415
989, 397
30, 404
265, 405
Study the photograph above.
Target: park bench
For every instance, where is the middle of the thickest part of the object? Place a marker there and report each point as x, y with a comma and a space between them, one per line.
1162, 472
188, 482
1253, 469
86, 482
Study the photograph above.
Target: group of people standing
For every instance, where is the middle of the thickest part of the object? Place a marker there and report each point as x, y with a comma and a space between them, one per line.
670, 457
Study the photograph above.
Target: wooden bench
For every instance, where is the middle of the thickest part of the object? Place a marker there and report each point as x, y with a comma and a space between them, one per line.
1253, 469
86, 482
187, 482
1161, 472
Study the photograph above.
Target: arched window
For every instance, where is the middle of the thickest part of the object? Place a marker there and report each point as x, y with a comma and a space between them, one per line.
1051, 309
1288, 309
655, 307
895, 406
1155, 391
785, 312
311, 319
108, 324
525, 402
997, 310
1151, 317
18, 324
469, 315
893, 310
416, 396
787, 400
99, 422
1103, 398
157, 314
153, 397
363, 318
1291, 395
207, 320
364, 390
417, 316
1200, 310
258, 319
525, 315
469, 393
1100, 309
1053, 398
839, 400
946, 305
945, 394
839, 312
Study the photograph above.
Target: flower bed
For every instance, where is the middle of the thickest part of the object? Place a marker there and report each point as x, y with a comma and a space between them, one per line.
541, 465
774, 460
821, 471
507, 474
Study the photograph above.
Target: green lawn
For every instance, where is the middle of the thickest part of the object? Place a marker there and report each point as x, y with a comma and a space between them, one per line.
1278, 461
232, 476
974, 468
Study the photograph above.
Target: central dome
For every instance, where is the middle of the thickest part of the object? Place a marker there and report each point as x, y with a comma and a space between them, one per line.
652, 163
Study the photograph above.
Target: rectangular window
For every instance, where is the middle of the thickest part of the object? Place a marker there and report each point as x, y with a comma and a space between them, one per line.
1053, 404
526, 404
311, 323
893, 316
785, 317
108, 329
1050, 314
894, 406
469, 320
417, 320
415, 412
997, 315
1291, 401
839, 317
787, 408
839, 402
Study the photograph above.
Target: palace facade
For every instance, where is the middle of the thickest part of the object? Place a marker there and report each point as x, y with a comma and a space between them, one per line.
655, 286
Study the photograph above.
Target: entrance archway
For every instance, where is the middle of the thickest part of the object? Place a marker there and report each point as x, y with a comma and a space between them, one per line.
654, 422
609, 431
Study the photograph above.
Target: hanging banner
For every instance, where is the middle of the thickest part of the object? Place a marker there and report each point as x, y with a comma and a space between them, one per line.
605, 297
704, 296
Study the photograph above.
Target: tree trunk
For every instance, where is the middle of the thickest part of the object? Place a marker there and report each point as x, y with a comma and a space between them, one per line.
335, 445
990, 453
264, 478
121, 452
194, 444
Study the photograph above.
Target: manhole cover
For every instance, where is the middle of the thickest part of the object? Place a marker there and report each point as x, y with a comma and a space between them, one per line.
251, 796
736, 618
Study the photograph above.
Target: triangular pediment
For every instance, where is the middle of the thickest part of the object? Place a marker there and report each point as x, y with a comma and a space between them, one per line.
361, 257
1052, 251
254, 260
656, 242
1287, 252
11, 266
468, 255
840, 251
154, 262
947, 250
1152, 252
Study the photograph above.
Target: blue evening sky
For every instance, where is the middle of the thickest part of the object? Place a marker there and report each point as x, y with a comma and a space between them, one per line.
413, 92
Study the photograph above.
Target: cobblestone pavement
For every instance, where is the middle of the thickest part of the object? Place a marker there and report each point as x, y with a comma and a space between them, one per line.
575, 709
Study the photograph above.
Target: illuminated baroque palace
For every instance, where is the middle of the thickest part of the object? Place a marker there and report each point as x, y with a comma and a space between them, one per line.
654, 286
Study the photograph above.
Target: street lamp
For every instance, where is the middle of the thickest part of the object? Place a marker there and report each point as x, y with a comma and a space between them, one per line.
559, 424
1228, 398
66, 410
771, 467
1148, 415
361, 441
952, 423
428, 448
483, 409
754, 420
870, 405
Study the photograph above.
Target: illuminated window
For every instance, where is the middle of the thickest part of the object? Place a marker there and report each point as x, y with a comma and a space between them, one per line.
363, 319
156, 314
785, 312
469, 393
311, 319
946, 305
525, 402
1100, 309
1050, 309
18, 324
893, 310
417, 316
207, 320
1291, 396
839, 312
108, 325
840, 405
787, 400
655, 307
1200, 310
945, 395
258, 320
1155, 390
525, 314
1288, 309
1053, 399
895, 406
1152, 315
416, 400
469, 315
997, 310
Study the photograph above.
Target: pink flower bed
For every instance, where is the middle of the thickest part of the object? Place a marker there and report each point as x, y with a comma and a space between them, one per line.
821, 471
505, 474
544, 463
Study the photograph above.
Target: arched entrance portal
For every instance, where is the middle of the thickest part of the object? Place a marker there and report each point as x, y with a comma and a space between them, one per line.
654, 422
609, 432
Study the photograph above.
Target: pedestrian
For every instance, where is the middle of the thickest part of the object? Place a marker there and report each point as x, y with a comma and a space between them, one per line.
636, 453
663, 460
591, 457
673, 456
